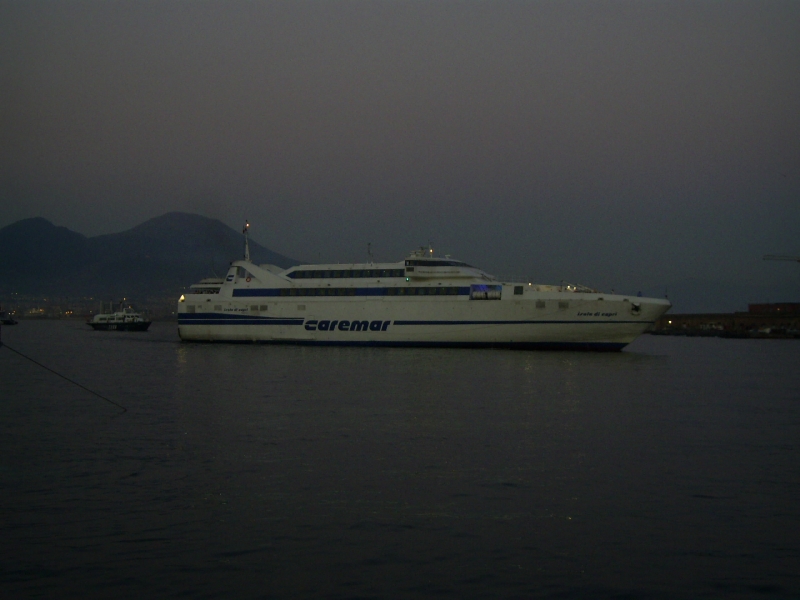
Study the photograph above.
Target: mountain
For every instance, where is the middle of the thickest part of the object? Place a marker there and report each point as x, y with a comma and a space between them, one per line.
160, 257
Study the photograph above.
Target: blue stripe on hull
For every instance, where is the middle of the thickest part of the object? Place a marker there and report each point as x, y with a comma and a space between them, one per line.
539, 322
583, 346
217, 319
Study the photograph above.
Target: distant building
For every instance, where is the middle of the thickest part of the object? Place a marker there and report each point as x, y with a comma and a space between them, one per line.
773, 320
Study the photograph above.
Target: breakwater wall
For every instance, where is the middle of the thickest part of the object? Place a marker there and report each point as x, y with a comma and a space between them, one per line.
780, 320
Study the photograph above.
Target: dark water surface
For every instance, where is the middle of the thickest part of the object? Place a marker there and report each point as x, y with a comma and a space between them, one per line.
670, 470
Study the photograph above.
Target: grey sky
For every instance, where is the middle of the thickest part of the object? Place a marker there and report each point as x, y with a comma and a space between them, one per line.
609, 143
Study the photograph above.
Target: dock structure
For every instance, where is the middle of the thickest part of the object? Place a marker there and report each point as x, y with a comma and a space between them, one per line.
780, 320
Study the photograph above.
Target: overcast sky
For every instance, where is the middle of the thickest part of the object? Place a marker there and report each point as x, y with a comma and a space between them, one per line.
607, 143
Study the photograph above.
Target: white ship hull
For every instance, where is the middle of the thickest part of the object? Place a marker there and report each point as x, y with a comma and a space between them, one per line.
592, 323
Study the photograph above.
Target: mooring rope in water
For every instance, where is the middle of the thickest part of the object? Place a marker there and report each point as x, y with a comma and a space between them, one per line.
2, 345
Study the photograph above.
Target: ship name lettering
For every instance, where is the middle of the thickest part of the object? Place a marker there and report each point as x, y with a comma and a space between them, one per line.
325, 325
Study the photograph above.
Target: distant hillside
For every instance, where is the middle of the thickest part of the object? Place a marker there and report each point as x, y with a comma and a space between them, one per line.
159, 257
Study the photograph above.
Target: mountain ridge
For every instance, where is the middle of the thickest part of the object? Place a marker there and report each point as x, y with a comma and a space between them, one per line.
159, 257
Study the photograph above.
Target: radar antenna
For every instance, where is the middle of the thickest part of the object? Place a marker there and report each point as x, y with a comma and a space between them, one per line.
246, 241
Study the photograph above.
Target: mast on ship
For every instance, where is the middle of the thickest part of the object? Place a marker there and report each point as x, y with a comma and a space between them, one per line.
246, 241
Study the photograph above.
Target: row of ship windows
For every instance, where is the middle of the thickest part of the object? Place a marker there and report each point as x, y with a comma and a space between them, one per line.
263, 307
398, 291
346, 273
435, 263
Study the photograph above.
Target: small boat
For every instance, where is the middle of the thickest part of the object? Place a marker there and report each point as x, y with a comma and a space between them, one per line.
7, 319
123, 319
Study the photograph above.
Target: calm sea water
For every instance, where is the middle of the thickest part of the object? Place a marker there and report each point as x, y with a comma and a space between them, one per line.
670, 470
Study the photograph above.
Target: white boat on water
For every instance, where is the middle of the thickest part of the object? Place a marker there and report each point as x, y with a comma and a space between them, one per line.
122, 319
422, 301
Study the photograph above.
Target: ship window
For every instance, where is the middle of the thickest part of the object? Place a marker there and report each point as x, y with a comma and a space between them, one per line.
540, 304
452, 291
486, 292
337, 274
254, 308
562, 304
328, 274
518, 290
351, 292
263, 307
284, 292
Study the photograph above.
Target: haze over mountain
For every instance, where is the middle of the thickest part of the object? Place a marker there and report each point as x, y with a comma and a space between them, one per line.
160, 257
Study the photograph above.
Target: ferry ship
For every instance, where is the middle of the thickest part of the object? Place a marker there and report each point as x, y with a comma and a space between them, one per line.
123, 319
424, 300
